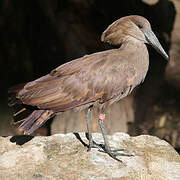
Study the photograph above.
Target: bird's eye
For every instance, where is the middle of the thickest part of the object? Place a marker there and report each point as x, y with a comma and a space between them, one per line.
140, 26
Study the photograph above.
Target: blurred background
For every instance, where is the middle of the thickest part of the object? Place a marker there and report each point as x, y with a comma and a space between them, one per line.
37, 36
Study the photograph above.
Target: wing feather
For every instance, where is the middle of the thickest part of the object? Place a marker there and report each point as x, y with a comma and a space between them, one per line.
99, 76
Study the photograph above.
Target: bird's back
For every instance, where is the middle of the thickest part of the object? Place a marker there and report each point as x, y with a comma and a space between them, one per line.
104, 76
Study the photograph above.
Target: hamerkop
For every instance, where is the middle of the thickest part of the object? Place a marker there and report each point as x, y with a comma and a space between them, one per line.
98, 79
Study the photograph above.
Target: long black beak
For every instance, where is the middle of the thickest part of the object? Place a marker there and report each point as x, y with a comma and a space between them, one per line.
153, 40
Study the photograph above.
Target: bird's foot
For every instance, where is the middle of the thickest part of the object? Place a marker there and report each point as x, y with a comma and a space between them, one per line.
115, 153
93, 144
112, 153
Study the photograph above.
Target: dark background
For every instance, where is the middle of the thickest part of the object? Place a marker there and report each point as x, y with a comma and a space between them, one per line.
40, 35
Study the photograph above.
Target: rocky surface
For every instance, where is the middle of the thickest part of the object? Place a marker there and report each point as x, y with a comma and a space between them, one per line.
65, 157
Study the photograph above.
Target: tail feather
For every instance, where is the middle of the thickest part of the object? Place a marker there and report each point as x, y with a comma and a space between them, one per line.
30, 117
20, 112
12, 100
12, 92
29, 121
35, 120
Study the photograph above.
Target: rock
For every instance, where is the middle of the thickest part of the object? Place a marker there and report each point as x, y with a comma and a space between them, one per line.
63, 156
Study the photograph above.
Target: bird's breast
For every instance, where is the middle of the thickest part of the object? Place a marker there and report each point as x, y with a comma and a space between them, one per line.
142, 65
138, 64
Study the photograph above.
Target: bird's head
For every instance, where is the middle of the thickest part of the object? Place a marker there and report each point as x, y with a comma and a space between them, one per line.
130, 28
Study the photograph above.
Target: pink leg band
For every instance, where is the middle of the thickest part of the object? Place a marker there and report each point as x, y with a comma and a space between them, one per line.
101, 117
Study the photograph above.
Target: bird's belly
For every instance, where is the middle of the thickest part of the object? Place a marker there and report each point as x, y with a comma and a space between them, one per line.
129, 88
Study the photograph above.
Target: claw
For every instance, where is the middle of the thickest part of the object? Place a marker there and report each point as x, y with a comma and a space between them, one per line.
114, 156
93, 144
115, 153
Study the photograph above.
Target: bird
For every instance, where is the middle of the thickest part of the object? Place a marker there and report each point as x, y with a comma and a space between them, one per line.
96, 80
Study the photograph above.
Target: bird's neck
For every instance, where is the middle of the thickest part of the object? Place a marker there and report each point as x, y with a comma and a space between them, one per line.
133, 44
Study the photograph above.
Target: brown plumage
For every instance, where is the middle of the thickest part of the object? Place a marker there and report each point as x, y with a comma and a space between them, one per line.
98, 79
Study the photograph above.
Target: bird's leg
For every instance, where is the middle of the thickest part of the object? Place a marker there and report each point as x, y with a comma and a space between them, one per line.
88, 120
101, 124
92, 144
107, 148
